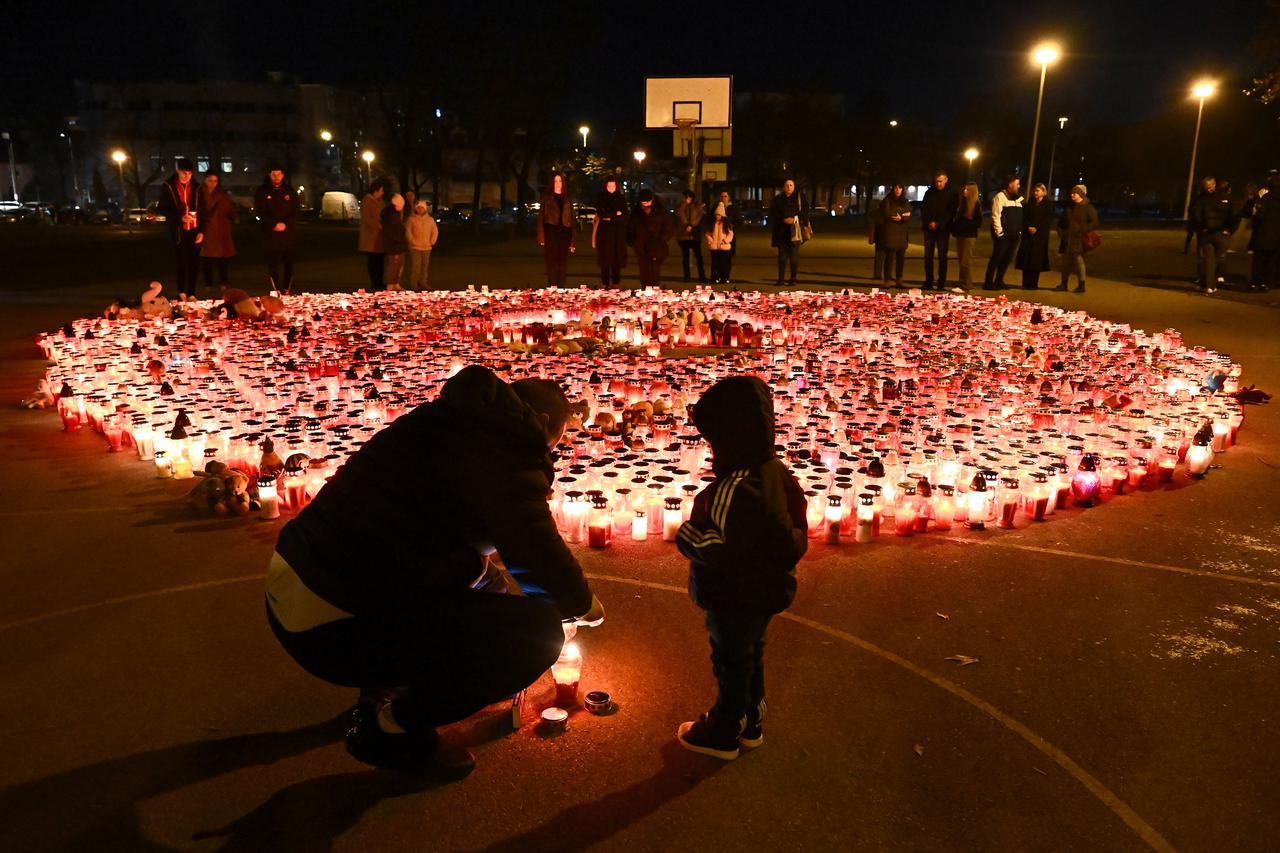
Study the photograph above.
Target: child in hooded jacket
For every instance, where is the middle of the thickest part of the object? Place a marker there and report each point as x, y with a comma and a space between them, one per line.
743, 539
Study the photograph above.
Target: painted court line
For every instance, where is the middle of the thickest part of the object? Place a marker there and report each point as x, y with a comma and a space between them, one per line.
1121, 561
1100, 791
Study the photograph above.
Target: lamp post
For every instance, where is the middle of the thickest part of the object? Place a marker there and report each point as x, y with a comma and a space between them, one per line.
584, 130
368, 157
1201, 90
1053, 152
13, 170
119, 157
970, 154
639, 155
1044, 55
327, 137
75, 179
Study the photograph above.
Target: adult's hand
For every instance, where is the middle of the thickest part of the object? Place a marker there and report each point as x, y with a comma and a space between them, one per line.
593, 617
199, 239
573, 249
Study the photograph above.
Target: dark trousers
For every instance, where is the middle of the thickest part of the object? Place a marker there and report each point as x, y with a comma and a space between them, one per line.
1031, 279
611, 274
280, 262
1213, 258
650, 271
878, 271
895, 259
188, 260
222, 265
737, 660
1266, 268
455, 652
693, 247
938, 241
788, 256
721, 265
1002, 252
555, 250
374, 261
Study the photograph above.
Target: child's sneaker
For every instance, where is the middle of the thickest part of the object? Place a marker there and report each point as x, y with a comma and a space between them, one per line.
709, 738
753, 732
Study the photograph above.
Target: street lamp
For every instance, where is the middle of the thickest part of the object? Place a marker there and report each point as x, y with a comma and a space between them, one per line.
893, 122
584, 130
1053, 152
119, 157
1044, 55
327, 137
970, 154
368, 157
75, 179
1203, 89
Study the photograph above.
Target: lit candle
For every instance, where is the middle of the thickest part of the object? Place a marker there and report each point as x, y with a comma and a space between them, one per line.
1086, 485
864, 531
600, 523
672, 518
835, 515
1009, 499
639, 526
575, 517
567, 672
268, 499
1199, 457
182, 469
944, 507
977, 501
162, 465
1038, 500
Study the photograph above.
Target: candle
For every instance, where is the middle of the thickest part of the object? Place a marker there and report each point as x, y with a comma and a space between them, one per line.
835, 515
1199, 457
865, 531
575, 517
977, 502
944, 507
639, 526
567, 672
268, 499
600, 523
672, 518
1038, 500
1009, 500
1086, 485
162, 464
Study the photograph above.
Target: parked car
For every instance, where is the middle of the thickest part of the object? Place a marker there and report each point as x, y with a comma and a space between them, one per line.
586, 216
153, 213
102, 216
341, 206
12, 211
758, 217
463, 210
135, 215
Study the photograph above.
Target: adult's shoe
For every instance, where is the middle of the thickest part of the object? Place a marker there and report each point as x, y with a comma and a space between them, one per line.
753, 731
1079, 289
1062, 288
417, 753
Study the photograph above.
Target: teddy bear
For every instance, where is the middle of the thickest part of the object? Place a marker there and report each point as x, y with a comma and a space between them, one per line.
236, 497
41, 398
209, 493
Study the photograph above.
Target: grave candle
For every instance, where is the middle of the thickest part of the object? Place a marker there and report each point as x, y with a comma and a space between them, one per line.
567, 672
639, 526
268, 499
672, 518
1086, 484
835, 515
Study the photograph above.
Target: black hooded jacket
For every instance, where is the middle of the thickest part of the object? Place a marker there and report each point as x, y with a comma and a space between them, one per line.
748, 529
410, 512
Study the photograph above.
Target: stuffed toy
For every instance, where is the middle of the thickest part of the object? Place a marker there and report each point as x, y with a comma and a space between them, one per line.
155, 304
42, 398
236, 497
209, 493
271, 464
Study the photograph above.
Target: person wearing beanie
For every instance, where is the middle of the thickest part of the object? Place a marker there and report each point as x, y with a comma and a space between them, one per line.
744, 536
277, 207
180, 207
720, 243
648, 230
395, 241
422, 233
1077, 222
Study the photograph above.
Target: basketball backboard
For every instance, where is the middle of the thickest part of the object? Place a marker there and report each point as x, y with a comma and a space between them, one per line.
707, 102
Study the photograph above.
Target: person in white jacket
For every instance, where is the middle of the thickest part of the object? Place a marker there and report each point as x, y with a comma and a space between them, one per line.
422, 233
720, 242
1006, 227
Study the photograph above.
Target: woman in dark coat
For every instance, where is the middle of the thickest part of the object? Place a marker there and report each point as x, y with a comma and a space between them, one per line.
964, 228
557, 230
277, 207
216, 246
648, 230
1033, 250
1077, 220
895, 216
788, 208
609, 232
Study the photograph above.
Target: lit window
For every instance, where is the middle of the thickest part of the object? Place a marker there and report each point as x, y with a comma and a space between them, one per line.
202, 162
227, 165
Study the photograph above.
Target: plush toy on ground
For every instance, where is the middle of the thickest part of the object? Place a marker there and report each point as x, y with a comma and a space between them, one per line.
41, 398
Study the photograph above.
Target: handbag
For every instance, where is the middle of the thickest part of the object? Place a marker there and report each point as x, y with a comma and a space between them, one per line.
797, 232
806, 232
1091, 241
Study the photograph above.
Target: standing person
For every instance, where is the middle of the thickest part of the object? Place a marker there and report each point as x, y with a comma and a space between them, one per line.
789, 214
964, 228
743, 539
395, 241
937, 211
720, 243
734, 217
384, 585
1212, 220
609, 232
422, 233
1266, 237
276, 205
648, 230
1033, 250
689, 233
371, 232
1006, 225
217, 247
179, 205
895, 213
556, 230
1077, 220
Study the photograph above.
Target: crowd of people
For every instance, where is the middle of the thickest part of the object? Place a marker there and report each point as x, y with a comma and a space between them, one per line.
398, 233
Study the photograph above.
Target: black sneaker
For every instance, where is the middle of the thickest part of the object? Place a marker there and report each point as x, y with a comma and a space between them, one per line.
419, 753
704, 735
753, 732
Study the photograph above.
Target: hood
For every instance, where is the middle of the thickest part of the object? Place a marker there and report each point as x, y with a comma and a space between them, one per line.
735, 416
477, 394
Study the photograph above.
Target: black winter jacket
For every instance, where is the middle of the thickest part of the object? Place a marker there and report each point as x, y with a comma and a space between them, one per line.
172, 206
395, 239
278, 204
410, 512
748, 529
1212, 214
939, 205
782, 208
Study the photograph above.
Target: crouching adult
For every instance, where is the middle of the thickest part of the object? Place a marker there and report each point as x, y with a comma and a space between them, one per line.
384, 581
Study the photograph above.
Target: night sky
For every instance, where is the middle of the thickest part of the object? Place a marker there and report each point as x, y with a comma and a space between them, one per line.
919, 60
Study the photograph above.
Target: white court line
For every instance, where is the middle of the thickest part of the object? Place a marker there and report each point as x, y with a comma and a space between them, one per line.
1121, 561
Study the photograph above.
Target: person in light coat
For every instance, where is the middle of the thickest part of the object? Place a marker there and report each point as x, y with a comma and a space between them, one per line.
422, 233
719, 238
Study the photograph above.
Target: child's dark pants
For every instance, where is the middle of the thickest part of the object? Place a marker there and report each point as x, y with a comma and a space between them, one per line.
737, 660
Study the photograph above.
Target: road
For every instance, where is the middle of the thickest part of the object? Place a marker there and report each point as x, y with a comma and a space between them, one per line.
1124, 696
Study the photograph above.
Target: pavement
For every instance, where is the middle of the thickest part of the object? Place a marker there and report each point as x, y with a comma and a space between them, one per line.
1124, 695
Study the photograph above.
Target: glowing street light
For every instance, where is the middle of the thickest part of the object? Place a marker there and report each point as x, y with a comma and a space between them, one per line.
971, 154
584, 130
639, 155
1044, 55
1202, 90
326, 136
368, 157
893, 122
119, 157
